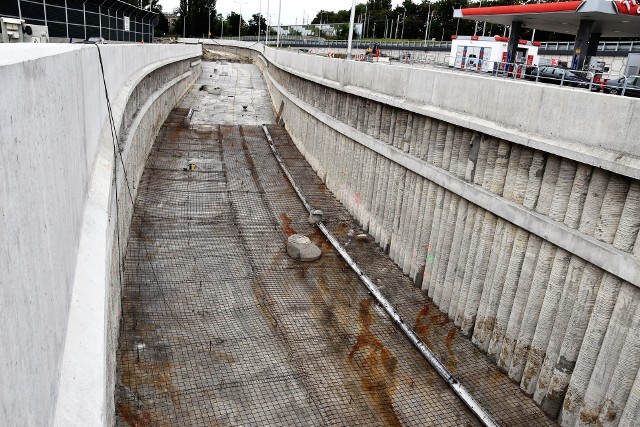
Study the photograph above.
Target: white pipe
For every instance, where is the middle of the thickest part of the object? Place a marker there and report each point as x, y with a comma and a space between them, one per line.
462, 393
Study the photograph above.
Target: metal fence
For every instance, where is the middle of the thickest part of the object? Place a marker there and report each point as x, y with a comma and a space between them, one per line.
605, 46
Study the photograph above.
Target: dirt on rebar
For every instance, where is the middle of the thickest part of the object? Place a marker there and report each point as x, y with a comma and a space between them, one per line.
222, 56
221, 327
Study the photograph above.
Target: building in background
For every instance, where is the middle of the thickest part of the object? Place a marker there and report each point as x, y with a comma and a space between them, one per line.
67, 20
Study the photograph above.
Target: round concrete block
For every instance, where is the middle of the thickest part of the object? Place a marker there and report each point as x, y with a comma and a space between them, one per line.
301, 248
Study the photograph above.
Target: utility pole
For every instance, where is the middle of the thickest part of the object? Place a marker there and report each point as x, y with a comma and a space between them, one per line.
365, 26
428, 27
404, 15
184, 22
240, 24
266, 36
221, 24
259, 20
209, 33
385, 27
279, 25
353, 16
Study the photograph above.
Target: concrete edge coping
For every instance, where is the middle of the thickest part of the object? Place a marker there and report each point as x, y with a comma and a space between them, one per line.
601, 254
119, 103
82, 386
131, 133
617, 162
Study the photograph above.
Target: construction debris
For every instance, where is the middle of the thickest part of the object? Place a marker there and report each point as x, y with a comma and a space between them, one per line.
301, 248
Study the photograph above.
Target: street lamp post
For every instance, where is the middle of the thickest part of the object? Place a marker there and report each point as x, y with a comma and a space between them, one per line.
279, 23
428, 26
351, 20
266, 36
240, 24
184, 22
259, 20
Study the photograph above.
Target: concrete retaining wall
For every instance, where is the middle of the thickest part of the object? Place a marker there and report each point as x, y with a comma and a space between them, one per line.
531, 248
59, 253
551, 119
616, 64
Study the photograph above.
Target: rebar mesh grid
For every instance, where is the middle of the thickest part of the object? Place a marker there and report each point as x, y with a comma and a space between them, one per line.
220, 327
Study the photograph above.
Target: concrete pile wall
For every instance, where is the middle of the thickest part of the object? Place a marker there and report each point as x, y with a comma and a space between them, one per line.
528, 241
59, 254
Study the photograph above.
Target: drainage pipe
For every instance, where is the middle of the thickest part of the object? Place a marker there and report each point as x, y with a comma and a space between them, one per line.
462, 393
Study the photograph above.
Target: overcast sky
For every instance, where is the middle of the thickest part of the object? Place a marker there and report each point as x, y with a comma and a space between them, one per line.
292, 10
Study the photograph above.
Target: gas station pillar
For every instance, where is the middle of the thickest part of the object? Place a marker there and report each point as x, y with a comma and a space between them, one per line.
512, 48
594, 40
583, 44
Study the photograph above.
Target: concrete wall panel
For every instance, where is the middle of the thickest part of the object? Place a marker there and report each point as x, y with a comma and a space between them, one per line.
56, 242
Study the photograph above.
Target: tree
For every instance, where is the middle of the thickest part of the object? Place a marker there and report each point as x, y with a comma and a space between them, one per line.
232, 23
253, 25
343, 31
197, 14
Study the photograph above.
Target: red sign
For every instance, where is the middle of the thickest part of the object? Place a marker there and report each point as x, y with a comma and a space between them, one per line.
628, 7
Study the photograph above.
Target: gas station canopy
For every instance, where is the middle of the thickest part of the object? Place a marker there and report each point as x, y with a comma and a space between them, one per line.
610, 18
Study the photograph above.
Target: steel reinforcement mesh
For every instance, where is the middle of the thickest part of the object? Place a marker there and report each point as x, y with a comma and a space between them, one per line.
221, 327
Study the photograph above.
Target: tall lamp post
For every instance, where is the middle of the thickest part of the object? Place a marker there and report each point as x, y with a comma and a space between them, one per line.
240, 24
184, 22
266, 36
279, 24
428, 26
353, 15
259, 19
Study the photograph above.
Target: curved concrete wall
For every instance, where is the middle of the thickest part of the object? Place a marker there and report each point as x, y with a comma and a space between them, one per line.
59, 253
568, 122
521, 224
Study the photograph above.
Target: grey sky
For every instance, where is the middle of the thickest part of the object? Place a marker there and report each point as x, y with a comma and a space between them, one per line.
293, 11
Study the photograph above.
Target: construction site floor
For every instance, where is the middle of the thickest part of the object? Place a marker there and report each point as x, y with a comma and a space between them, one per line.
221, 327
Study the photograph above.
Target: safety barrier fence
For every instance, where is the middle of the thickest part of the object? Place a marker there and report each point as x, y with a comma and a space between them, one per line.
550, 74
604, 46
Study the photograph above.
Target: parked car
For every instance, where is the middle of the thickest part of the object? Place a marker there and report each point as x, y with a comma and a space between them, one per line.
615, 86
554, 75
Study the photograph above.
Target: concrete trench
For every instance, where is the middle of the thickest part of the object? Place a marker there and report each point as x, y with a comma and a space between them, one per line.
220, 327
548, 317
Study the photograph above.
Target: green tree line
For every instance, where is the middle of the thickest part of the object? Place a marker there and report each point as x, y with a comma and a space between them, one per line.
413, 20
